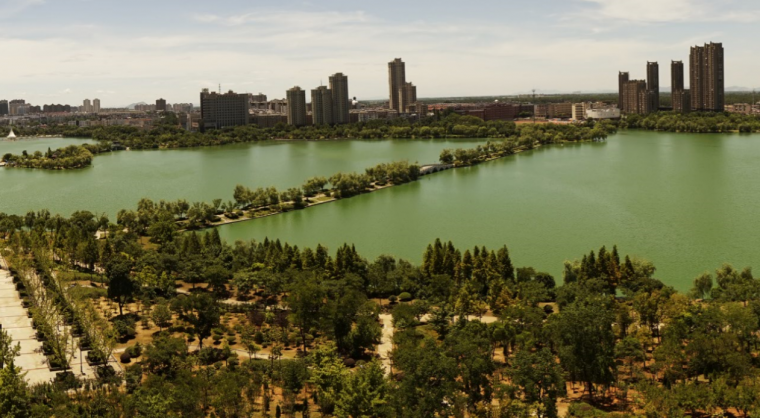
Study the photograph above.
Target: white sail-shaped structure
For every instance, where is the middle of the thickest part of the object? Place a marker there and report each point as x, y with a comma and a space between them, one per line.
11, 135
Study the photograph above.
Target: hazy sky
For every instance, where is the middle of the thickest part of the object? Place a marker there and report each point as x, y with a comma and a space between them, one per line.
62, 51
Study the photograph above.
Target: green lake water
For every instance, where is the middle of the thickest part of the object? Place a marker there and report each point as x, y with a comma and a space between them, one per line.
686, 202
119, 180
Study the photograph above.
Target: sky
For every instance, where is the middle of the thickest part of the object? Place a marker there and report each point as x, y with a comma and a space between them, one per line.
122, 52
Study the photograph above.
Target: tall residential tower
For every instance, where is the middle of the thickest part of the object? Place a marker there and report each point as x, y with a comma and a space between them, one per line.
707, 77
653, 85
340, 100
396, 80
622, 79
322, 106
296, 106
678, 94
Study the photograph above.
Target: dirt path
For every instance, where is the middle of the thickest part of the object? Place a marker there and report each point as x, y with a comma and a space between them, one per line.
385, 347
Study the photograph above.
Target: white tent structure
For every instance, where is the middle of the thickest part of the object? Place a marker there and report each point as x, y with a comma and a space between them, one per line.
11, 135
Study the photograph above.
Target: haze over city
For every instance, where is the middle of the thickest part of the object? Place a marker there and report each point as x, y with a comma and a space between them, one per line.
68, 50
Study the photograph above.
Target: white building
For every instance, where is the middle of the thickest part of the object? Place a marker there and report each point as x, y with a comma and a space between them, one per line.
606, 113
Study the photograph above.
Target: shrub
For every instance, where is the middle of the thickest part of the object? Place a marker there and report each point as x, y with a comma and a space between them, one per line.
125, 357
125, 328
405, 297
135, 350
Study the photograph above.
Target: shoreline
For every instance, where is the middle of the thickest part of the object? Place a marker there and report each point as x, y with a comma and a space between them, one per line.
244, 218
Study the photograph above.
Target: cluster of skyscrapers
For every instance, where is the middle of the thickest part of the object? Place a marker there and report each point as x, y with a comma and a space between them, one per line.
706, 82
329, 106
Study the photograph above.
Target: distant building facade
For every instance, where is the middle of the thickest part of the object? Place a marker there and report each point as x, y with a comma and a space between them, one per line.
96, 106
653, 86
223, 110
680, 97
623, 78
407, 96
56, 108
341, 101
636, 98
258, 98
296, 98
4, 109
396, 80
160, 105
87, 106
322, 106
579, 111
707, 77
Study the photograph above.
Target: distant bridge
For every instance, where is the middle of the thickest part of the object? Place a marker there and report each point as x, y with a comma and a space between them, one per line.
434, 168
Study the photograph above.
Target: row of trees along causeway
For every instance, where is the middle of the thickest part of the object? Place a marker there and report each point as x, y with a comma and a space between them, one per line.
210, 328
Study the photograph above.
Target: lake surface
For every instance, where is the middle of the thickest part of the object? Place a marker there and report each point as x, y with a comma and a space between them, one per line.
686, 202
119, 180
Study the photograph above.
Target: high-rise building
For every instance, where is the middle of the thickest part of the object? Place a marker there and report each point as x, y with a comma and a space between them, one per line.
96, 106
680, 97
296, 106
653, 85
707, 77
223, 110
160, 105
676, 76
622, 79
396, 80
87, 105
636, 97
340, 99
322, 106
4, 109
407, 96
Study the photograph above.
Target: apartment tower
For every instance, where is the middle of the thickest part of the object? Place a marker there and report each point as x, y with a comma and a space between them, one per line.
340, 101
322, 106
87, 106
96, 106
396, 80
622, 79
296, 106
653, 85
223, 110
407, 96
678, 94
160, 105
636, 97
707, 78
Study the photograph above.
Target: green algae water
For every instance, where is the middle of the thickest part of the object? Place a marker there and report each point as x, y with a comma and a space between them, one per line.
119, 180
686, 202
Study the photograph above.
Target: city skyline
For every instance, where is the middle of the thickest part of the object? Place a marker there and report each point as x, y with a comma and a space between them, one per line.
452, 50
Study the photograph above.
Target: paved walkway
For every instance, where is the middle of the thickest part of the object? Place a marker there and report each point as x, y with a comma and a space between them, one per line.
15, 320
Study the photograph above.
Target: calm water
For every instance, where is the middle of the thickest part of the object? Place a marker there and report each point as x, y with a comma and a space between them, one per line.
119, 180
686, 202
